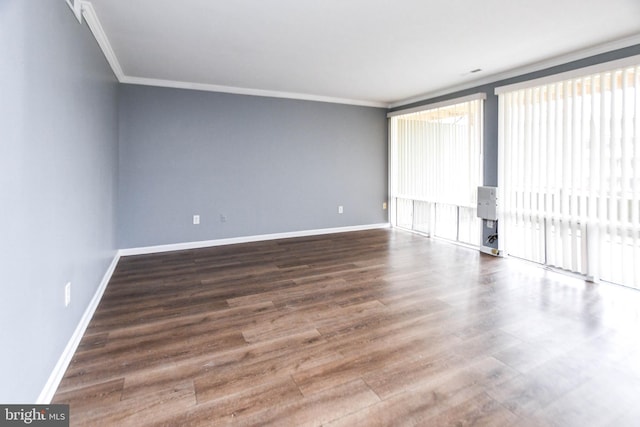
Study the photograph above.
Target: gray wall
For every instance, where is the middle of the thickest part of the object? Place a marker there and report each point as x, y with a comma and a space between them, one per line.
58, 181
268, 165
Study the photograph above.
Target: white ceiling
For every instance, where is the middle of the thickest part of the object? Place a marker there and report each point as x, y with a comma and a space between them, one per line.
369, 52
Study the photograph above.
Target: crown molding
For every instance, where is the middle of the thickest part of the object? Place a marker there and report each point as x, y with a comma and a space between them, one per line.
445, 103
90, 16
76, 8
530, 68
603, 67
248, 91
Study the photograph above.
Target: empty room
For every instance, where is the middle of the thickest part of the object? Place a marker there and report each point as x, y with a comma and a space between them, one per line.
337, 213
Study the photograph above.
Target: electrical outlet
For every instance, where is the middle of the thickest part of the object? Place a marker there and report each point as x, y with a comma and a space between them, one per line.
223, 218
196, 219
384, 206
67, 294
340, 209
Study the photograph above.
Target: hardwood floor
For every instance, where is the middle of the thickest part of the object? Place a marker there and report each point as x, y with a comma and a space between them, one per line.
369, 328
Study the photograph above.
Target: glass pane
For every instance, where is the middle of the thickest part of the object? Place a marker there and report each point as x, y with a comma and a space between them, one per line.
470, 224
446, 221
404, 213
422, 217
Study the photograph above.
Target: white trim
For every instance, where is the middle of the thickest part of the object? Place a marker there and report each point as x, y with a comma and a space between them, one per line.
47, 393
483, 249
425, 107
49, 389
96, 28
491, 251
516, 72
76, 7
629, 61
93, 22
248, 91
246, 239
439, 239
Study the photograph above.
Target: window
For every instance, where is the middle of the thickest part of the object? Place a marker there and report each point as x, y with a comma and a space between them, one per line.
436, 167
569, 171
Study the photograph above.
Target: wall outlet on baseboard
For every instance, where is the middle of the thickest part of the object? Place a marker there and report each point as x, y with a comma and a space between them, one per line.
196, 219
67, 294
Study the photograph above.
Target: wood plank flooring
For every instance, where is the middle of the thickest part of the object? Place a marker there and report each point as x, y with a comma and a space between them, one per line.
371, 328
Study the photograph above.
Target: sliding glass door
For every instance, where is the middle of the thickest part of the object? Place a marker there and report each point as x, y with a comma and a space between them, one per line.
569, 172
436, 167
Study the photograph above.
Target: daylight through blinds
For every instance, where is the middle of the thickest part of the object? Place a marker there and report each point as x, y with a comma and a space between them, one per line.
435, 169
569, 174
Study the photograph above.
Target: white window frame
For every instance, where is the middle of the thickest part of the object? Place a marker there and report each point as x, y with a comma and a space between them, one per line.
430, 228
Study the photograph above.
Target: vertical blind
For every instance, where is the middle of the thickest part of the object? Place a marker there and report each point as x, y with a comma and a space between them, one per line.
569, 173
435, 169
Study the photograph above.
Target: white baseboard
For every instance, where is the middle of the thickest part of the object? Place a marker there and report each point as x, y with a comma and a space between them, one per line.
491, 251
47, 393
245, 239
49, 390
